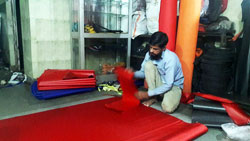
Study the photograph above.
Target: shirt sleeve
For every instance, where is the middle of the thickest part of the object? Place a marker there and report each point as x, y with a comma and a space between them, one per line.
168, 75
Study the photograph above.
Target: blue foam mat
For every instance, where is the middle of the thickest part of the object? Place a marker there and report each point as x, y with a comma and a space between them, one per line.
56, 93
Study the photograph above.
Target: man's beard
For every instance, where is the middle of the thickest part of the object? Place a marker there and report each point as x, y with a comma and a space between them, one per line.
155, 57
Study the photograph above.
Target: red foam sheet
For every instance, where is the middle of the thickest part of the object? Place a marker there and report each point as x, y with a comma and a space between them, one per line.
64, 87
62, 75
93, 122
55, 74
128, 100
68, 82
167, 21
53, 79
236, 113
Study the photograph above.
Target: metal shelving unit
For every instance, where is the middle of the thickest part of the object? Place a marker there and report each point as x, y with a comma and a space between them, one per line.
109, 26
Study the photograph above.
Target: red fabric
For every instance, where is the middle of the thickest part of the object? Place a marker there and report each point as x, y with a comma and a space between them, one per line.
128, 100
238, 116
93, 122
167, 21
202, 28
67, 82
236, 113
224, 5
79, 74
64, 87
187, 98
56, 75
53, 79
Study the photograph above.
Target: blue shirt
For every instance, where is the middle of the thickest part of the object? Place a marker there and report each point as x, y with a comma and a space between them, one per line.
169, 68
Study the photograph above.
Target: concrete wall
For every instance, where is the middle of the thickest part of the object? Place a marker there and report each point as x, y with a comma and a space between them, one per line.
26, 37
12, 36
8, 37
46, 35
4, 44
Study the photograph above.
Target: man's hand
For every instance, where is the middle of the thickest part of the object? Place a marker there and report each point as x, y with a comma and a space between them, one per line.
141, 95
129, 70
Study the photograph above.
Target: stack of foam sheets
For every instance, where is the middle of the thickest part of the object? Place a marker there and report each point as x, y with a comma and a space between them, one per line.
54, 83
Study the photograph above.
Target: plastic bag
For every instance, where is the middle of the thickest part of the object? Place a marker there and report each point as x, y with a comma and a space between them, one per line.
235, 132
152, 14
139, 5
139, 24
205, 5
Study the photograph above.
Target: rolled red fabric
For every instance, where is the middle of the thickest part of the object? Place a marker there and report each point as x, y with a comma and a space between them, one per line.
167, 21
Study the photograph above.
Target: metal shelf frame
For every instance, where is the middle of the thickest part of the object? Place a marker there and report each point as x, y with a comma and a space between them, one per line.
81, 36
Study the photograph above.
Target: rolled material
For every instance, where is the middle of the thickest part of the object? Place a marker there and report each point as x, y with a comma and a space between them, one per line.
167, 21
54, 79
233, 110
208, 105
211, 119
187, 34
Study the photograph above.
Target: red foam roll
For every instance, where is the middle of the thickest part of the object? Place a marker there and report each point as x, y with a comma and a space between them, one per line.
167, 21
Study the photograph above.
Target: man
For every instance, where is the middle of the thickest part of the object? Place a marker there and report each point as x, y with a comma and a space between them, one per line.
163, 73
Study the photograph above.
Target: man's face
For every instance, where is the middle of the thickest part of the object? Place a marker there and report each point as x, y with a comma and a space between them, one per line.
155, 52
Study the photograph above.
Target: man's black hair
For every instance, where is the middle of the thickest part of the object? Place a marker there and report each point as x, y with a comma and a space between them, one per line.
159, 39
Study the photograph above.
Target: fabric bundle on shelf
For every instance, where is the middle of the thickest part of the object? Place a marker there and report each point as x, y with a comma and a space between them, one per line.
54, 83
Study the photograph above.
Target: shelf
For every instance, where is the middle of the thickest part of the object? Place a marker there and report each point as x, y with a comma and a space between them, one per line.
223, 36
76, 35
105, 35
103, 13
108, 2
215, 34
137, 56
106, 18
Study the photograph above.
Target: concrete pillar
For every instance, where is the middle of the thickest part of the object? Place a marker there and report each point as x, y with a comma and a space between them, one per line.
46, 35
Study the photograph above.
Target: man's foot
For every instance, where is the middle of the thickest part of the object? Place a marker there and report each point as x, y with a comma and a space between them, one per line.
149, 102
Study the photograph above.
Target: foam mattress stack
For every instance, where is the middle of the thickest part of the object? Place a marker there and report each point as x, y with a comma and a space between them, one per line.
54, 83
210, 113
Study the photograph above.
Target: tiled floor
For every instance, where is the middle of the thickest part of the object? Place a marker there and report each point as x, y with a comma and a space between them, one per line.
18, 100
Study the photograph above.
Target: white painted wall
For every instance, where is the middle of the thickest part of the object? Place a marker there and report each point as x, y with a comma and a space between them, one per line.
46, 35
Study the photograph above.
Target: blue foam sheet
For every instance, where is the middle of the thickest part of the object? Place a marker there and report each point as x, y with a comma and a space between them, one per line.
56, 93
